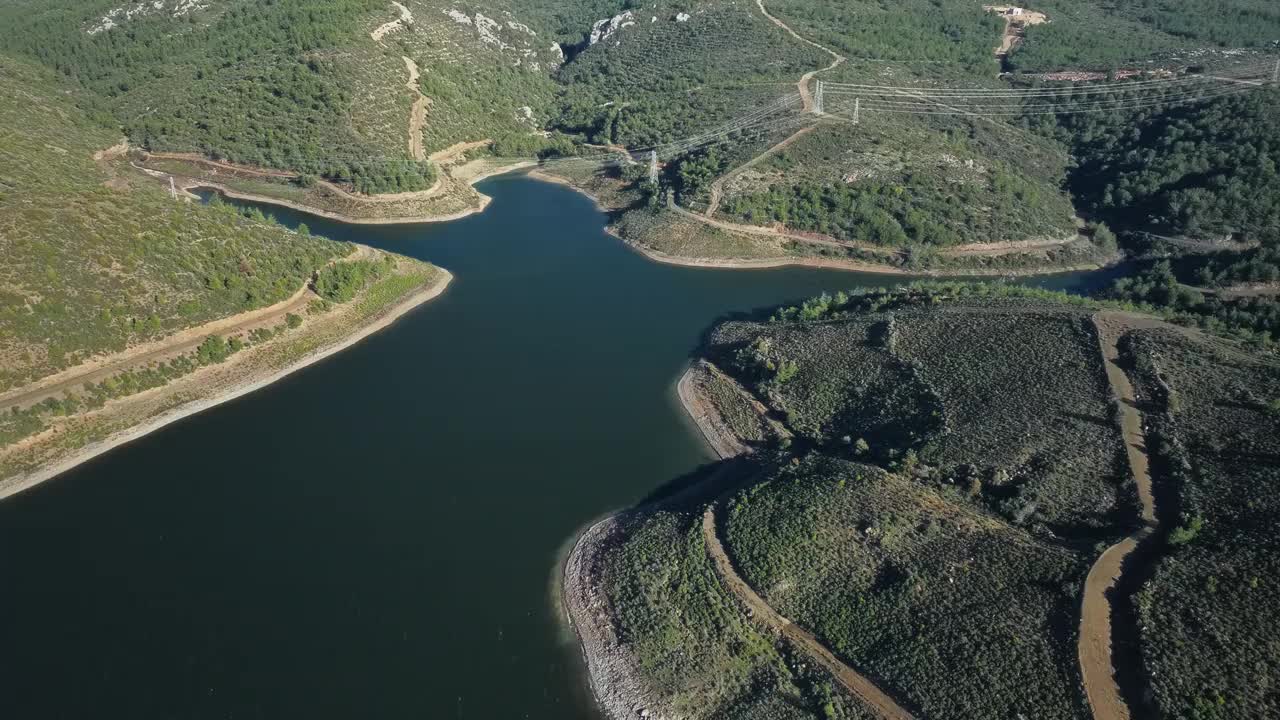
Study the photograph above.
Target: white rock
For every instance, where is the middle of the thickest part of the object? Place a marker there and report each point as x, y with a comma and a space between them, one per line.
113, 18
604, 29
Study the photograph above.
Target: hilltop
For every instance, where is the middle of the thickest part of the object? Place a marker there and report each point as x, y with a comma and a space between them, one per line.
924, 484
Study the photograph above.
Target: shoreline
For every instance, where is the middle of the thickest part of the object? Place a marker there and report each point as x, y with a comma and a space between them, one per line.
848, 265
47, 472
485, 200
612, 685
767, 263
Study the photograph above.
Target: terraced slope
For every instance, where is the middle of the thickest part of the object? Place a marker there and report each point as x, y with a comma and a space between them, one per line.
123, 307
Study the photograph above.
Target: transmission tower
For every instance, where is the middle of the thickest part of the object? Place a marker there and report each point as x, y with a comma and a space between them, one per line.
857, 110
817, 100
1275, 74
173, 189
653, 167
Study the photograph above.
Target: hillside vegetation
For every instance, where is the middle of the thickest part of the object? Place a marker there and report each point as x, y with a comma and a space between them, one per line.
698, 654
946, 467
98, 258
1100, 35
1209, 614
946, 451
326, 89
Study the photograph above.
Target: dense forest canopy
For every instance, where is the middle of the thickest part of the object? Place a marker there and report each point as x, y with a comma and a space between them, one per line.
1200, 169
1100, 35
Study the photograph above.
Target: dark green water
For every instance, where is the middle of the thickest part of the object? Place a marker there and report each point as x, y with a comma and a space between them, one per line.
374, 536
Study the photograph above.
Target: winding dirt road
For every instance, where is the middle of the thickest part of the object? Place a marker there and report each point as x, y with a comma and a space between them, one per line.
836, 58
405, 19
807, 107
1097, 666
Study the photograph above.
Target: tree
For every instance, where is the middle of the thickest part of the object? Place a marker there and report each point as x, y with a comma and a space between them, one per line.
213, 350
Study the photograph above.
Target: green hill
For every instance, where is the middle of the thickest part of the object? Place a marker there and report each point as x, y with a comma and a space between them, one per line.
99, 257
946, 466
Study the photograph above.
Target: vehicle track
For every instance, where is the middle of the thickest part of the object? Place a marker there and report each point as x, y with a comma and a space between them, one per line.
418, 115
1097, 665
836, 58
728, 447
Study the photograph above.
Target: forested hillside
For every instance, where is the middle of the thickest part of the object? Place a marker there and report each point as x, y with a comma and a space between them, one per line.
301, 84
98, 257
1098, 35
914, 486
325, 88
1202, 169
260, 83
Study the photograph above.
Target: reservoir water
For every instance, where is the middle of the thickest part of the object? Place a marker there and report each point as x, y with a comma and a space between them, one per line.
375, 536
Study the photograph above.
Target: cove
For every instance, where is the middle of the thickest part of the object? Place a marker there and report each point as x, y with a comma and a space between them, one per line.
374, 536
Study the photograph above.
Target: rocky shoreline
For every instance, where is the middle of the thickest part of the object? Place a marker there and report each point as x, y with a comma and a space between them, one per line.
611, 669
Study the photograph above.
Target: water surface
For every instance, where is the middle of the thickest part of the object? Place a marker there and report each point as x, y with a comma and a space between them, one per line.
373, 536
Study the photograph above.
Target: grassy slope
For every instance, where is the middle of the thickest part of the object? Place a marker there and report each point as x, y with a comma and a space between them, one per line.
97, 259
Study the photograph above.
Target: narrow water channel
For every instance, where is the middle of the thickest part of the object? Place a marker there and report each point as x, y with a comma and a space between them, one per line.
374, 536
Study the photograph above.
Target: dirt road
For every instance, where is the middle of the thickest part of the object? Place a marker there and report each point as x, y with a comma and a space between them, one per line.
457, 150
1096, 663
836, 58
807, 106
1015, 26
418, 115
98, 369
405, 19
811, 238
875, 700
717, 187
179, 344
